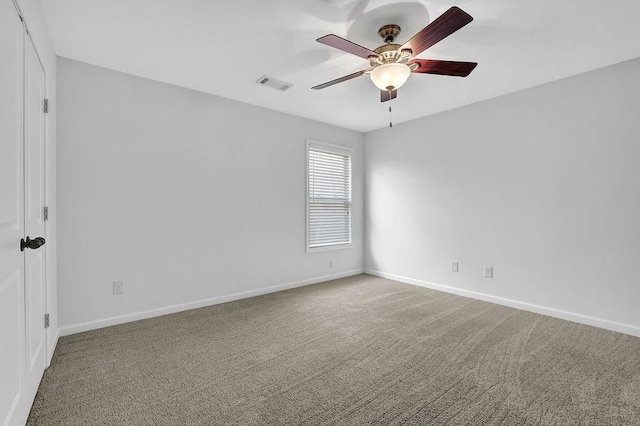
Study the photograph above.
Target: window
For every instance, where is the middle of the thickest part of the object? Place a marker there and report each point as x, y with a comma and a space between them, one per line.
328, 196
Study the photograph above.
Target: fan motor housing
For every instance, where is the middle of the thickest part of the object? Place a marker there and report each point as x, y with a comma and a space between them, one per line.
389, 53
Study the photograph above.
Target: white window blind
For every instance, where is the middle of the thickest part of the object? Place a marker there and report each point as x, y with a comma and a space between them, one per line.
329, 197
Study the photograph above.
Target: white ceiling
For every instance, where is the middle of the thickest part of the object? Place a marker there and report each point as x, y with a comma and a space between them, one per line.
223, 47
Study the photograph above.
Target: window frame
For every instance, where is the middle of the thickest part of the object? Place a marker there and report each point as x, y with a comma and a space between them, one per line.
338, 149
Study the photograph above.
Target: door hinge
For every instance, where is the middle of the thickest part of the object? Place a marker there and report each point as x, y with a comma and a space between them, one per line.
46, 213
46, 321
46, 106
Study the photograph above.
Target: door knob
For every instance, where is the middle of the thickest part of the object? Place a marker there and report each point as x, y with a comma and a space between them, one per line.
32, 244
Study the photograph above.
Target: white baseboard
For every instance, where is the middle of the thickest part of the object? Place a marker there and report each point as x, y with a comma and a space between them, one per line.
52, 346
106, 322
557, 313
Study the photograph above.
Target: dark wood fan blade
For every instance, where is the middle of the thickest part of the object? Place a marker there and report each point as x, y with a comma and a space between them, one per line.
445, 25
340, 80
386, 96
428, 66
346, 46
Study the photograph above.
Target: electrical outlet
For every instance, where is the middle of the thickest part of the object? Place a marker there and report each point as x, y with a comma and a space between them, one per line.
330, 264
488, 271
118, 287
454, 266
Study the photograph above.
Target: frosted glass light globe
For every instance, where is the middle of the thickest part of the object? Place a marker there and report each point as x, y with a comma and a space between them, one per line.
390, 76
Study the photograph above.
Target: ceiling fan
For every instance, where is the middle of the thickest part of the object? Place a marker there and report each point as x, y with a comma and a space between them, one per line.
391, 64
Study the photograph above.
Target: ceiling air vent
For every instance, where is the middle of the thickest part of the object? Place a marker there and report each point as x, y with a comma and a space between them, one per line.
265, 80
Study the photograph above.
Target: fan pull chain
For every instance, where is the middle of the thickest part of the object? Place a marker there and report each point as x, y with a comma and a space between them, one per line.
390, 121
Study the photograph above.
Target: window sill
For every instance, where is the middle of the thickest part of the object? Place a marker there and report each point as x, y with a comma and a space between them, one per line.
329, 248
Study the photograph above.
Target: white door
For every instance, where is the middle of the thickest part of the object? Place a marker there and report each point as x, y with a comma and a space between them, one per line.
34, 257
22, 300
12, 348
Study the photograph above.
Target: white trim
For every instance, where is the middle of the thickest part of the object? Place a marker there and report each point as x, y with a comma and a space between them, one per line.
329, 247
106, 322
331, 147
52, 347
552, 312
339, 149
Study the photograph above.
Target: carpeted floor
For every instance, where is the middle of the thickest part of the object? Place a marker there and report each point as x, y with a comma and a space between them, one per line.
360, 350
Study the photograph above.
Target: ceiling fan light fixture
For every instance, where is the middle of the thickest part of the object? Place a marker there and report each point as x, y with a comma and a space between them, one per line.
390, 76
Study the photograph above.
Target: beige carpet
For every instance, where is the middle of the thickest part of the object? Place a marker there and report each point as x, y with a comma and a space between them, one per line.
361, 350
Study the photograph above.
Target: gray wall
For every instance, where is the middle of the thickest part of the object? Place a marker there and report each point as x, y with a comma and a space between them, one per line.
183, 195
188, 197
543, 185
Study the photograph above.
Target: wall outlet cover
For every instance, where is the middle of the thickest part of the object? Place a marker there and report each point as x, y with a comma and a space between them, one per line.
118, 287
488, 271
454, 266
